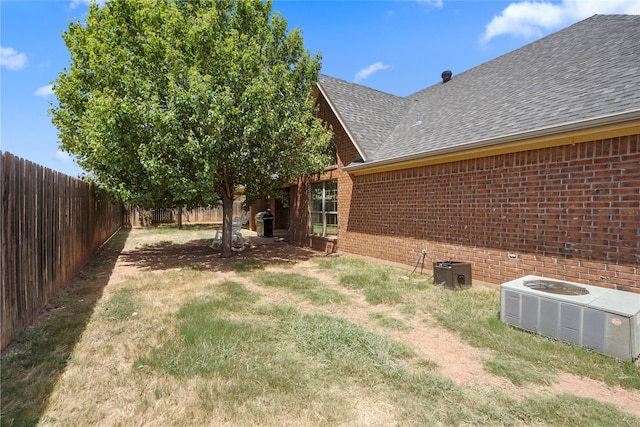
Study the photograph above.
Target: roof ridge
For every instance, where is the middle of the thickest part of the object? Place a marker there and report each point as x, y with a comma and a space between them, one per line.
368, 115
369, 88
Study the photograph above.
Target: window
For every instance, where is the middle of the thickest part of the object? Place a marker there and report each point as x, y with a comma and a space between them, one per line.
324, 208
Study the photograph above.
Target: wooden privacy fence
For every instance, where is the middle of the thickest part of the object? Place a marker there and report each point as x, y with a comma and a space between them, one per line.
52, 224
138, 217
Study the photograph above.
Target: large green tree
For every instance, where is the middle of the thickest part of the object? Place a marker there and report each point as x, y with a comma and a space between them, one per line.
183, 103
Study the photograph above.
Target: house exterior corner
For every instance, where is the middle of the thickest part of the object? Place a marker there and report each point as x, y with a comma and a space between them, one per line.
568, 211
535, 172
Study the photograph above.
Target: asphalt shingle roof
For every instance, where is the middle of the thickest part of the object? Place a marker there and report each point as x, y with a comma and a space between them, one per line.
370, 115
586, 71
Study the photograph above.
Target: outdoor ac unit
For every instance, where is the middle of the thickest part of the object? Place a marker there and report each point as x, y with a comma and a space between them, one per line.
604, 320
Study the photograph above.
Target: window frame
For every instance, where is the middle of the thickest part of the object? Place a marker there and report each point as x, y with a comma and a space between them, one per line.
324, 213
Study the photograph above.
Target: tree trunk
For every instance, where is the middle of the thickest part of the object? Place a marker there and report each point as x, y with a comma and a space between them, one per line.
180, 218
227, 224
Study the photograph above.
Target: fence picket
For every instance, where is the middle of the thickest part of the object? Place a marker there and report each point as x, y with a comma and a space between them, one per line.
170, 216
52, 224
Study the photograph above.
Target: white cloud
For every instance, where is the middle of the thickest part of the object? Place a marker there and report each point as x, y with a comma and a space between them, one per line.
63, 156
431, 3
529, 18
366, 72
11, 59
44, 91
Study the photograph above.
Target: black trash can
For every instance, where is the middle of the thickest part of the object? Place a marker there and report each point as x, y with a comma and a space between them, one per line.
452, 274
267, 218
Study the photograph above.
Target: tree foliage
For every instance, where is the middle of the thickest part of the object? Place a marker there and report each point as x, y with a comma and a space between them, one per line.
181, 103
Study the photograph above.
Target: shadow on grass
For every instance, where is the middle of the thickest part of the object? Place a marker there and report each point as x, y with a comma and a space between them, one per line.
35, 360
198, 254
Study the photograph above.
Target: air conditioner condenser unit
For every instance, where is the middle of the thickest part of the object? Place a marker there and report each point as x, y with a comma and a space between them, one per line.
604, 320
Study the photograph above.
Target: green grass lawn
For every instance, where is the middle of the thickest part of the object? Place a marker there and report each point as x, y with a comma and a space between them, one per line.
314, 342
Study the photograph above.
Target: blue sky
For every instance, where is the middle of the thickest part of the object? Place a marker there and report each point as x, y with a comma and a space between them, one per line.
398, 47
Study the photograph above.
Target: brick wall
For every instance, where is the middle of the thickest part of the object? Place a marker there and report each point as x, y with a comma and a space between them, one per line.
570, 212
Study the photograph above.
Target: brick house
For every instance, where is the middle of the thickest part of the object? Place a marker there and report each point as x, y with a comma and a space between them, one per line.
527, 164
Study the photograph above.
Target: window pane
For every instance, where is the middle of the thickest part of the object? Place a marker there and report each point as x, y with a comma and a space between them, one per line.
331, 205
316, 197
332, 224
316, 223
331, 196
316, 206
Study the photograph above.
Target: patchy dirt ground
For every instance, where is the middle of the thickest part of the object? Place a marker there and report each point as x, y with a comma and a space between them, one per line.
455, 359
143, 253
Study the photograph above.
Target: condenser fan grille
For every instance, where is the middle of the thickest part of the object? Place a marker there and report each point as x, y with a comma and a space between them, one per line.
553, 287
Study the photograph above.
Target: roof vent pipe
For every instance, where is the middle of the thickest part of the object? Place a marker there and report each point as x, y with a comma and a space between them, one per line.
446, 76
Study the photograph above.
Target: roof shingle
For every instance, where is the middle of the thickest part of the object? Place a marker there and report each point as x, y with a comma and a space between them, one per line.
369, 115
587, 71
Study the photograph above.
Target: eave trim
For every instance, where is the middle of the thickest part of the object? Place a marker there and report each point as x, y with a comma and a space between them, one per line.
568, 133
342, 122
